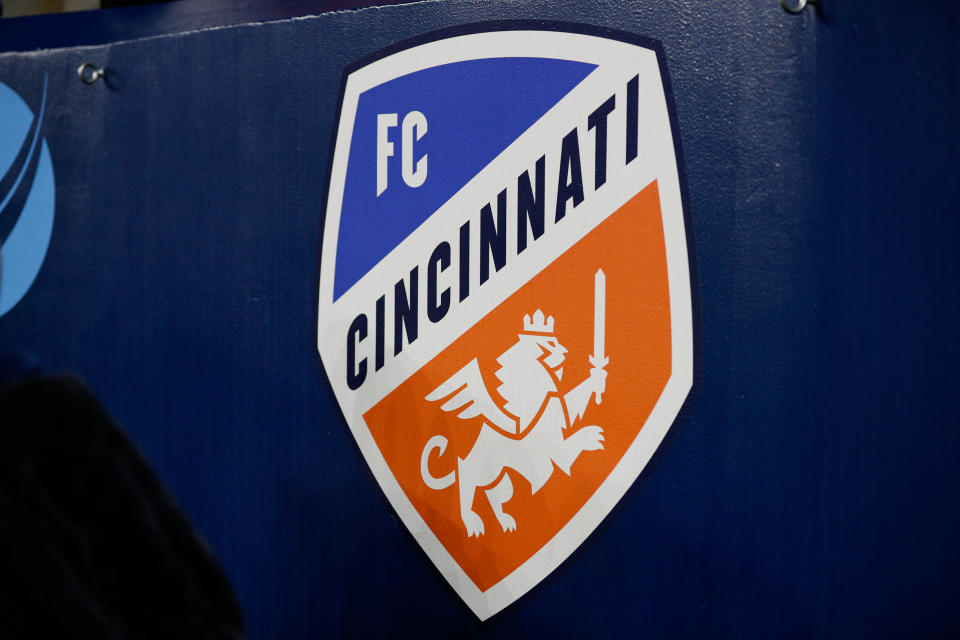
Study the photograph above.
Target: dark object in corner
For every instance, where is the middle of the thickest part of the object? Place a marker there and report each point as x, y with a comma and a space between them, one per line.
91, 545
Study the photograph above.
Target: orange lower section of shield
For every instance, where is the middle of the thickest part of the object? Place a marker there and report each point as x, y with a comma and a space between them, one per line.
467, 474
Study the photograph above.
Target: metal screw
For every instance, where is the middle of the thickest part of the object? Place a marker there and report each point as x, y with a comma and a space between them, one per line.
90, 73
795, 6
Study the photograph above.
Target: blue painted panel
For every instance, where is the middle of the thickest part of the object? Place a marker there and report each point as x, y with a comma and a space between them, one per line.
811, 489
84, 28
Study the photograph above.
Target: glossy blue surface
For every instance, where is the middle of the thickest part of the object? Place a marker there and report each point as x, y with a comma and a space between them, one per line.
811, 490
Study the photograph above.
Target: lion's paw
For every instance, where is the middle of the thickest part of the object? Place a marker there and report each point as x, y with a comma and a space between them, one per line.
473, 523
591, 438
507, 522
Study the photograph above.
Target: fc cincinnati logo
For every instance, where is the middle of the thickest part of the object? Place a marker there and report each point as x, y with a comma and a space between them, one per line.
505, 310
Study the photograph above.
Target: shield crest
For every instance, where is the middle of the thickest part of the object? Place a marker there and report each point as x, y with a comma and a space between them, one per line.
505, 309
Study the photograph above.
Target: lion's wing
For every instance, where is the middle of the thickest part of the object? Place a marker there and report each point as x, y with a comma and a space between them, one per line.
467, 391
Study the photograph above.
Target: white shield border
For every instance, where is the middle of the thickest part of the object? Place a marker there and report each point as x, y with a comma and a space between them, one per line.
505, 39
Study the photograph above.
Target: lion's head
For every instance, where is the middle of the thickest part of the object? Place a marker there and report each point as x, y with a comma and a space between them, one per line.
530, 369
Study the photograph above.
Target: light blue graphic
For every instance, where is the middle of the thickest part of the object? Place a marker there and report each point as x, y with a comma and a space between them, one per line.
24, 249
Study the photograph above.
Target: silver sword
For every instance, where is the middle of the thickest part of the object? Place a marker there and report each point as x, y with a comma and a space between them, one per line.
598, 360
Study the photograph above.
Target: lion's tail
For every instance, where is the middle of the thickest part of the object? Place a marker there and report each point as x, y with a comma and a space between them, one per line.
436, 442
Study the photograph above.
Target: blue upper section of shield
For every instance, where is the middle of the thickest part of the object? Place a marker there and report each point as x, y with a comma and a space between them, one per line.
474, 110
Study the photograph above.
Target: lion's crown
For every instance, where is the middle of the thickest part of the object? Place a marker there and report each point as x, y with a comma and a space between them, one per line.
537, 324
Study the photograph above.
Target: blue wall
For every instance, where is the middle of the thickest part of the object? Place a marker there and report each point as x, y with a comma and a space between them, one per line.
811, 490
